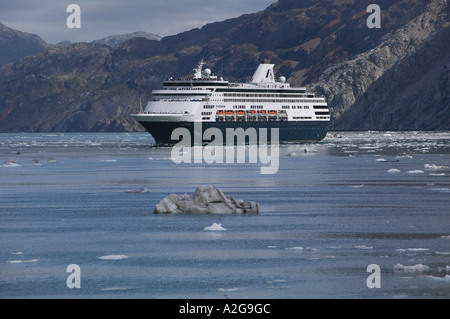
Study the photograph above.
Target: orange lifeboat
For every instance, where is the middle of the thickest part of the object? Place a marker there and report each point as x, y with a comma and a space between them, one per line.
229, 112
272, 113
219, 112
240, 112
263, 112
253, 112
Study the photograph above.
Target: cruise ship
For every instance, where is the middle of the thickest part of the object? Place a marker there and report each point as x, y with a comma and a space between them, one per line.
265, 102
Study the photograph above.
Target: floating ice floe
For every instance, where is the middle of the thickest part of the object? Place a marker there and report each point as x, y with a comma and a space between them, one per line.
441, 189
434, 167
215, 227
380, 160
298, 248
445, 278
412, 268
139, 191
446, 268
402, 250
227, 289
113, 257
363, 247
403, 156
205, 200
22, 261
11, 164
445, 237
415, 171
393, 170
305, 151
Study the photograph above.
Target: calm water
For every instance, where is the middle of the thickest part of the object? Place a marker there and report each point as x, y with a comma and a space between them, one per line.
354, 199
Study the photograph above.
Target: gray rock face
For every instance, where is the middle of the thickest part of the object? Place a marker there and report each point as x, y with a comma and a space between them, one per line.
205, 200
403, 83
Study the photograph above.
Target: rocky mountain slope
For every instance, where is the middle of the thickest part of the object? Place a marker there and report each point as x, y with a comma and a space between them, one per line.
402, 83
16, 44
395, 77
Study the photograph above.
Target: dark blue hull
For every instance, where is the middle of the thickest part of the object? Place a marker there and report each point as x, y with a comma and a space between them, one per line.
289, 131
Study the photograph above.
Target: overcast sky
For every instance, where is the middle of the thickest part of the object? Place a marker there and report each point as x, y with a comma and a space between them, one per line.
100, 18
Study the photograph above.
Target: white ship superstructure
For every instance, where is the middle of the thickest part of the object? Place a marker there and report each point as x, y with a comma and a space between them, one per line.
264, 102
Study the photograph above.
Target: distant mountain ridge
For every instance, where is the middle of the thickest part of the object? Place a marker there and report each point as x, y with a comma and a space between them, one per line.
16, 44
395, 77
115, 40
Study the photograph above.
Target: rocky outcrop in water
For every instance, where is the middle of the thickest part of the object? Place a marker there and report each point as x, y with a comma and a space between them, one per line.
205, 200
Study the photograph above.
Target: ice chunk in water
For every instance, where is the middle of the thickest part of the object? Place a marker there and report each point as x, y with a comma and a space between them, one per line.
363, 247
413, 268
415, 171
215, 227
113, 257
434, 167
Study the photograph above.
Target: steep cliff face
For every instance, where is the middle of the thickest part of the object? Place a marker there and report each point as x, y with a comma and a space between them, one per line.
403, 83
395, 77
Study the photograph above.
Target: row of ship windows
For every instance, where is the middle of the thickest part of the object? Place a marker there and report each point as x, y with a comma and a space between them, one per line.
284, 107
274, 101
265, 95
310, 118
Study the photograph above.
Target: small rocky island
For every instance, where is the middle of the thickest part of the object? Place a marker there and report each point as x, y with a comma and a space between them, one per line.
205, 200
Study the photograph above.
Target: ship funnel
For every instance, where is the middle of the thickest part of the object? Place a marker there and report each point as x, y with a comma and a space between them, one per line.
264, 74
